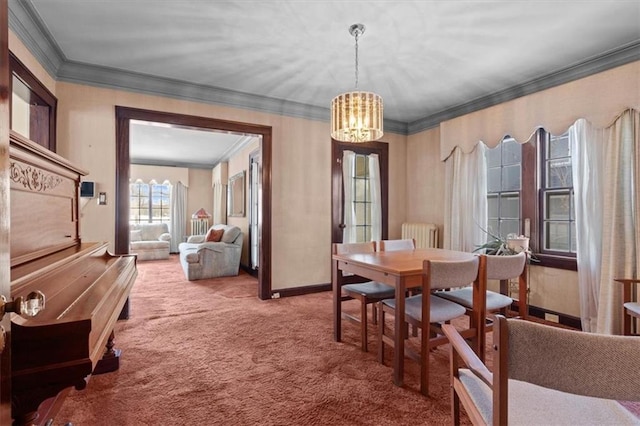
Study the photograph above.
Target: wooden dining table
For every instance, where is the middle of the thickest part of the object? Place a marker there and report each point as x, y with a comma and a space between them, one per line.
401, 269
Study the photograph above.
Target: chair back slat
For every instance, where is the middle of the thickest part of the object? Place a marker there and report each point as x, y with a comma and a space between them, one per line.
449, 274
392, 245
348, 248
505, 267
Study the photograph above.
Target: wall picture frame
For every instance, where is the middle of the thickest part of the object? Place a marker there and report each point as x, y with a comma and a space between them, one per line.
236, 196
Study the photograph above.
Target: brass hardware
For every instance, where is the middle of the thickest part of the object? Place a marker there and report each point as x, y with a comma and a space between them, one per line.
29, 306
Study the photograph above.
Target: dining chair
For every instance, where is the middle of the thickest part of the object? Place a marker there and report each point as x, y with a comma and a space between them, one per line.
367, 293
436, 275
497, 268
543, 374
630, 304
391, 245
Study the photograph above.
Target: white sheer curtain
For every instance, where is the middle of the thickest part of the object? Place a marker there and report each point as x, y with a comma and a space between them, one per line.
587, 153
178, 215
621, 218
219, 203
348, 171
376, 197
465, 214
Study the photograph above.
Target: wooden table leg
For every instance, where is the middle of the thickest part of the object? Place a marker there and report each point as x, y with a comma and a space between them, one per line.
398, 350
337, 296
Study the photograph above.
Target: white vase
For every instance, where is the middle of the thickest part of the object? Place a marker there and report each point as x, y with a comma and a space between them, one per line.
518, 244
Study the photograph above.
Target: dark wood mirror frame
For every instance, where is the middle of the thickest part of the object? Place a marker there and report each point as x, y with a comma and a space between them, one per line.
43, 105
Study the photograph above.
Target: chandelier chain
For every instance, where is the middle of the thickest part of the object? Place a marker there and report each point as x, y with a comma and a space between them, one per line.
357, 33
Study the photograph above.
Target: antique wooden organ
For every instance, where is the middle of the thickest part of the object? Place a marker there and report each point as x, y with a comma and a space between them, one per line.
84, 286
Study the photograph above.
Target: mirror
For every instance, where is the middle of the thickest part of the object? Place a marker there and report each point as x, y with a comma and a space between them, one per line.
33, 107
235, 195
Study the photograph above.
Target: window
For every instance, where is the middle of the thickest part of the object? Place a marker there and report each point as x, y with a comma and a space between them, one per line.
530, 191
362, 198
503, 188
556, 192
149, 202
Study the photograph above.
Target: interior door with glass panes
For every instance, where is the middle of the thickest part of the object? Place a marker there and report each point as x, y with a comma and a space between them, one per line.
354, 189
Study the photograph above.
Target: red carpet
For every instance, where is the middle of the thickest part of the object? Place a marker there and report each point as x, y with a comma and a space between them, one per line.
210, 352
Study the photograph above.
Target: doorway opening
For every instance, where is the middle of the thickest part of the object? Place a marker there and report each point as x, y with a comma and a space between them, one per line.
125, 115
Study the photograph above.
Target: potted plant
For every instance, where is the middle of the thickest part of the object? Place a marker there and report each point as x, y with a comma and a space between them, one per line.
509, 246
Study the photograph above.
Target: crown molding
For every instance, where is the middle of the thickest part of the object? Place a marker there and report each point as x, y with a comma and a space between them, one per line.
147, 162
27, 25
614, 58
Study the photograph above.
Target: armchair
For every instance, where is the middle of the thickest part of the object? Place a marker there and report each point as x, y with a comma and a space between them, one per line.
545, 375
202, 259
149, 241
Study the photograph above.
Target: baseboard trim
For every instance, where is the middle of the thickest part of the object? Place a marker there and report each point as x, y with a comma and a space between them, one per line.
299, 291
563, 319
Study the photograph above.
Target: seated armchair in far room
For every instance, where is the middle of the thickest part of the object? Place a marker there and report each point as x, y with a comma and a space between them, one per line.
149, 241
216, 254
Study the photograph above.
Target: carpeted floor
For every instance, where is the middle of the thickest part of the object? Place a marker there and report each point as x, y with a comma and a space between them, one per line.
210, 352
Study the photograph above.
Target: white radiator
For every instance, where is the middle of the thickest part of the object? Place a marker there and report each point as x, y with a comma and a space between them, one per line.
425, 234
199, 226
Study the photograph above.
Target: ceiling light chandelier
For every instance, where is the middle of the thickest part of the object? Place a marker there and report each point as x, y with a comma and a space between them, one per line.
356, 116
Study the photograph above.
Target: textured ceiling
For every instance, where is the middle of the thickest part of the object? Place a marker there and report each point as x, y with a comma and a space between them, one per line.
423, 57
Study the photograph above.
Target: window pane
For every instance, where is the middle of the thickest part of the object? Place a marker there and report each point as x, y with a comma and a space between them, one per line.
360, 193
574, 245
360, 213
557, 206
559, 147
559, 173
492, 203
494, 182
493, 156
360, 234
557, 237
510, 207
508, 226
361, 166
511, 152
511, 178
494, 228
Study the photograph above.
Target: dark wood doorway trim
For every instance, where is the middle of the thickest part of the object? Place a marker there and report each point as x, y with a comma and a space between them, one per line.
123, 117
337, 191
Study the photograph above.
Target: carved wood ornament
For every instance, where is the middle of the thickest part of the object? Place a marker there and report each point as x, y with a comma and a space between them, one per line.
33, 178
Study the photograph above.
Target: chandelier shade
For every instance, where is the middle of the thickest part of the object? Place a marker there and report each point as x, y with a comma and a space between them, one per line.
357, 116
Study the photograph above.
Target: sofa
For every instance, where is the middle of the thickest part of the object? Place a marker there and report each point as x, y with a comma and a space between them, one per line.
149, 241
202, 259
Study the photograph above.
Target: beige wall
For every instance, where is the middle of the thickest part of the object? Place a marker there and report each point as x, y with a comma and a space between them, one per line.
240, 163
301, 175
552, 289
425, 177
200, 193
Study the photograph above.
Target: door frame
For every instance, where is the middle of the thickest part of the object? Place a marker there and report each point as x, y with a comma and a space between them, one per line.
123, 117
5, 214
337, 189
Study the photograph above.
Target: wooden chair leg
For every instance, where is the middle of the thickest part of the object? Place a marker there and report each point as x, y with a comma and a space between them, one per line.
363, 324
374, 313
380, 334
